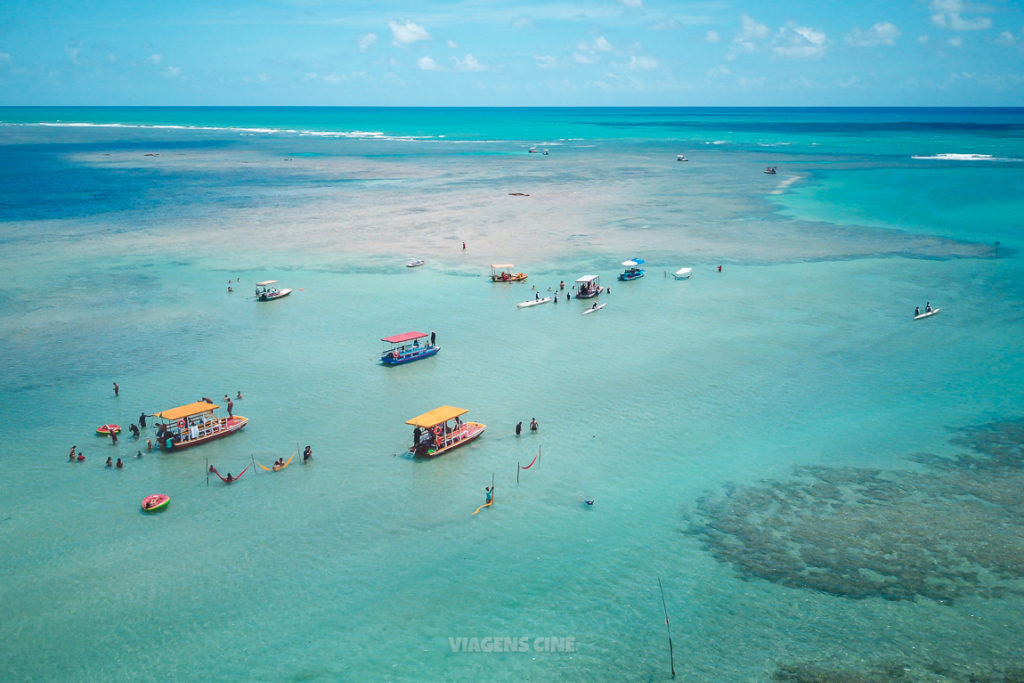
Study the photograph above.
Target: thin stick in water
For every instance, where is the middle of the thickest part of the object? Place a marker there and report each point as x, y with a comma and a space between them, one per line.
671, 656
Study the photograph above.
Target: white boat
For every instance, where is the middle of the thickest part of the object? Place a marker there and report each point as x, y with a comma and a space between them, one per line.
680, 157
595, 307
683, 274
535, 302
415, 262
927, 314
265, 291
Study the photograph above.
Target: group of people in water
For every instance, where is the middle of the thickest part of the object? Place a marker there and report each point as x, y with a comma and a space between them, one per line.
927, 309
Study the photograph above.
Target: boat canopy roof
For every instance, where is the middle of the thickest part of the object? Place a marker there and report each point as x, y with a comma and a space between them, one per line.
684, 270
266, 282
503, 265
436, 416
404, 337
633, 262
588, 278
186, 411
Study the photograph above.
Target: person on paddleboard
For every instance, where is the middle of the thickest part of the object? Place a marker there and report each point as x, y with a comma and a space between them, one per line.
490, 494
928, 307
917, 311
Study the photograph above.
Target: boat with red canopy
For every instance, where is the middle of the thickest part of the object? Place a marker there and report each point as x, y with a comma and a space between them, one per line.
441, 430
194, 424
400, 351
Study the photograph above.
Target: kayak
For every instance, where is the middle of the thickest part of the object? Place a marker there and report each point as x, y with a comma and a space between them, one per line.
107, 430
157, 501
535, 302
594, 308
928, 314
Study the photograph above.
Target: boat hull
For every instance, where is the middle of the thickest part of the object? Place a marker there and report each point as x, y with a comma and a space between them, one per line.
535, 302
460, 437
274, 297
427, 352
632, 276
229, 426
928, 314
517, 277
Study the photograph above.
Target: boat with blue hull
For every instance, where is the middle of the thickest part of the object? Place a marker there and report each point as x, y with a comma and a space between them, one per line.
633, 270
400, 351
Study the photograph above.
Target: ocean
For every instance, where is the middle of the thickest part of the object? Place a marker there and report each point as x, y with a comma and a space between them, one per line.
824, 487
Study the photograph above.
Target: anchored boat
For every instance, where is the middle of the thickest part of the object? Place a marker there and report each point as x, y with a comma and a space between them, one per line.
683, 274
441, 430
266, 291
400, 351
502, 272
588, 286
194, 424
633, 270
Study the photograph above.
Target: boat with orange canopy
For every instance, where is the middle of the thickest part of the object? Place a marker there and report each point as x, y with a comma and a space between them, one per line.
193, 424
441, 430
502, 272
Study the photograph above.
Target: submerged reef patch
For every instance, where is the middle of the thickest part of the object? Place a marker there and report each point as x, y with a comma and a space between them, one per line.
954, 529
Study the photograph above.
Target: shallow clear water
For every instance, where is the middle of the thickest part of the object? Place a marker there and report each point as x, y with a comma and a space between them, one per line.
364, 564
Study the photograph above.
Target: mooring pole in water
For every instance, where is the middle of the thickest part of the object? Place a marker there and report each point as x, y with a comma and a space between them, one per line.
518, 467
253, 458
671, 656
207, 471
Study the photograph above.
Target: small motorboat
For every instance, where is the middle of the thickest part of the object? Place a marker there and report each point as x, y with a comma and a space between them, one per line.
502, 272
770, 170
400, 351
927, 313
107, 430
683, 274
413, 263
680, 157
155, 502
633, 270
535, 302
441, 430
265, 291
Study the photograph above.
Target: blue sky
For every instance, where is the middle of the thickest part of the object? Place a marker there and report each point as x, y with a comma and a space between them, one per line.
505, 53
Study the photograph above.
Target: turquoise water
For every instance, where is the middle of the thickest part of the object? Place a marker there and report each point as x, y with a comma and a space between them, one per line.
677, 399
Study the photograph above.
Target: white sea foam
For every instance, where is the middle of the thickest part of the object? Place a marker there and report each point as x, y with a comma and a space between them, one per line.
241, 130
784, 185
963, 157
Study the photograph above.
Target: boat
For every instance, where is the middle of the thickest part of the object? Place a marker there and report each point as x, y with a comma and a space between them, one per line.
155, 502
533, 150
588, 286
927, 314
680, 157
107, 430
441, 430
193, 424
413, 263
633, 270
265, 291
535, 302
683, 274
502, 272
770, 170
401, 351
595, 307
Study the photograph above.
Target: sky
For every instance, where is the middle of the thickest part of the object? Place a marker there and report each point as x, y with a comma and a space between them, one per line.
512, 53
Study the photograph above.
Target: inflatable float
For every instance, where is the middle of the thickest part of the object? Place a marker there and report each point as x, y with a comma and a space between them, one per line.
157, 501
107, 430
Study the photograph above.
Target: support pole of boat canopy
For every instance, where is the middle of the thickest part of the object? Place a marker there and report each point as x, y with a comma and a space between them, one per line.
671, 656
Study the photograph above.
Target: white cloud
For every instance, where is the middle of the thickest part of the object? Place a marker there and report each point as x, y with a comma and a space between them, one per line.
750, 83
712, 37
334, 78
367, 41
601, 43
545, 61
258, 78
171, 72
311, 76
800, 42
950, 14
523, 22
635, 4
642, 63
956, 41
1005, 38
426, 64
5, 58
581, 58
882, 33
451, 44
467, 63
155, 59
407, 33
72, 50
750, 33
718, 71
923, 39
669, 24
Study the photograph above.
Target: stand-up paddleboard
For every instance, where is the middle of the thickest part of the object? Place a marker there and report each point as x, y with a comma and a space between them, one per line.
535, 302
594, 308
928, 314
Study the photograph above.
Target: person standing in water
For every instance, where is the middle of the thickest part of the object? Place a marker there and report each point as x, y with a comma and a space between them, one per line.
117, 389
142, 420
519, 428
533, 425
